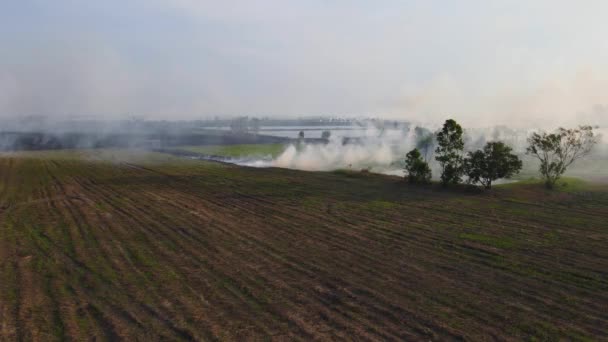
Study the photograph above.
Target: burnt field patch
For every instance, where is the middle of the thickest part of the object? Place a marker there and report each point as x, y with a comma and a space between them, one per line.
162, 248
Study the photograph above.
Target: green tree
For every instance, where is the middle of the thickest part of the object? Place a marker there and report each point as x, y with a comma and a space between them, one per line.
450, 152
557, 151
495, 161
325, 135
418, 170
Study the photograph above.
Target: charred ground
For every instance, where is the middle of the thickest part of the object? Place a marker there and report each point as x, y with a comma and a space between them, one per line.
113, 245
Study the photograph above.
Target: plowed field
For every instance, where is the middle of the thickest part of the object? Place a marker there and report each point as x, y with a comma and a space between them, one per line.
114, 246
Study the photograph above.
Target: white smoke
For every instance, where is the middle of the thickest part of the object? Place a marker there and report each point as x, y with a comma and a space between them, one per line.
335, 155
377, 150
384, 150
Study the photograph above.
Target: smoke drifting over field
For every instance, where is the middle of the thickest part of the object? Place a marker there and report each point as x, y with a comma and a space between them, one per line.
375, 149
335, 156
481, 63
384, 150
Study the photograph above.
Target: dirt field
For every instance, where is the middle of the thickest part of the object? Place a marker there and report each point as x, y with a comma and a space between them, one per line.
114, 247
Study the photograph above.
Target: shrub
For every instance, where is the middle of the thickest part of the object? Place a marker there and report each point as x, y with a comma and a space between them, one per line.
495, 161
417, 169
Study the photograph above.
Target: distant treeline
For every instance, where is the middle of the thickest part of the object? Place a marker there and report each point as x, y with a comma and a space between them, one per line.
19, 141
316, 121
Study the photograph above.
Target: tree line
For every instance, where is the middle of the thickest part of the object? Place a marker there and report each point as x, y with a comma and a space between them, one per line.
556, 152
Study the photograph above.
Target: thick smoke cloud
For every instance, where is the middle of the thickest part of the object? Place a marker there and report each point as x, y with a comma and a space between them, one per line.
376, 149
384, 150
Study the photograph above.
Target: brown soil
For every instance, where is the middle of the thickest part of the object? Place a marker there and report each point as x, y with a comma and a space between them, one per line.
192, 251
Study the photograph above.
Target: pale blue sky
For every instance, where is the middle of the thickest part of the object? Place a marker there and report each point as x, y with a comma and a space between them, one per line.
493, 61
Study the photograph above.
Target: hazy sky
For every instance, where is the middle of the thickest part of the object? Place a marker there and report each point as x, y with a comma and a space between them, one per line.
480, 61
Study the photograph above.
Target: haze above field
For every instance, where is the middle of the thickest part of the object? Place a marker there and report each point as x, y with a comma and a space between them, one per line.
525, 64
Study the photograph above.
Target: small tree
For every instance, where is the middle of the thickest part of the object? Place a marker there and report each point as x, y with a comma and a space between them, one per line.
557, 151
417, 169
325, 135
449, 152
301, 135
495, 161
